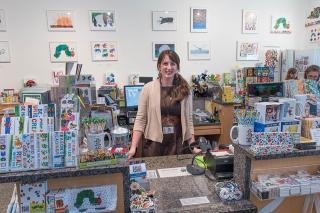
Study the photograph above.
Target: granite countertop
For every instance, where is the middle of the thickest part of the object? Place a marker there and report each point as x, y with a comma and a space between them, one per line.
169, 191
296, 153
40, 175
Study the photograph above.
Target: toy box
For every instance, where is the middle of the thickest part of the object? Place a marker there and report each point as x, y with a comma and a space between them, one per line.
291, 126
268, 112
269, 127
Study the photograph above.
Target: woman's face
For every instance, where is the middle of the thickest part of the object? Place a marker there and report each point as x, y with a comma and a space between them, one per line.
167, 68
313, 75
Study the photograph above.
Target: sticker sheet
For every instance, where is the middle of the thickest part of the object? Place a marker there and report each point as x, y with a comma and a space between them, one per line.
29, 148
16, 153
57, 149
71, 145
5, 141
43, 155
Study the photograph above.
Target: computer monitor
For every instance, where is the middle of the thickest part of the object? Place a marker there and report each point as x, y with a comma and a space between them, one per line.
131, 96
275, 89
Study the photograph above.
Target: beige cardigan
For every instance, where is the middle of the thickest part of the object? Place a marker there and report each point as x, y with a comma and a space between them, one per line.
148, 118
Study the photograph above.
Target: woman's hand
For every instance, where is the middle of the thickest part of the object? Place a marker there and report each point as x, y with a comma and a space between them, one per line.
131, 153
195, 150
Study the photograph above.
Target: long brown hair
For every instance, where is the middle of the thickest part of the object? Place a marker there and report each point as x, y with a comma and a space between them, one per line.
312, 68
181, 88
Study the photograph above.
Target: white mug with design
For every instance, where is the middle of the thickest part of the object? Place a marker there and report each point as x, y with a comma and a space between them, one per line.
244, 136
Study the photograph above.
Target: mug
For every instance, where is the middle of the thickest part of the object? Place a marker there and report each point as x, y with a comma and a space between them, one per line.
291, 108
244, 134
95, 141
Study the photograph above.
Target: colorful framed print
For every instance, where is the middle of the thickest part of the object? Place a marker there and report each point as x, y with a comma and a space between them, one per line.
60, 20
249, 21
313, 17
199, 20
102, 20
164, 20
247, 51
158, 47
4, 52
104, 51
199, 50
3, 26
271, 56
63, 51
314, 34
280, 24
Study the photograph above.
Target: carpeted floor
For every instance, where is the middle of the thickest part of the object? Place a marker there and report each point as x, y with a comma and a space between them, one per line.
5, 196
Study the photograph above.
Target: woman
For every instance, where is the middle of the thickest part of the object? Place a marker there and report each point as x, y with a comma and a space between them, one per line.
292, 74
312, 73
165, 112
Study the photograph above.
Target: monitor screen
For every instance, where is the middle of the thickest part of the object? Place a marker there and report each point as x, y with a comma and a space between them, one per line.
275, 89
131, 96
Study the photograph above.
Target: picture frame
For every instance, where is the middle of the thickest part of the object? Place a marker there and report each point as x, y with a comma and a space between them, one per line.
104, 50
271, 56
63, 51
280, 24
61, 20
199, 50
158, 47
247, 51
102, 20
198, 20
3, 25
249, 21
4, 52
164, 20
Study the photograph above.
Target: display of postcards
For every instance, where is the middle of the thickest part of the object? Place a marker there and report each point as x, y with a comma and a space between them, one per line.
268, 112
5, 142
29, 152
16, 153
85, 94
307, 124
32, 197
71, 148
57, 149
69, 121
269, 127
291, 126
93, 199
137, 169
43, 140
9, 125
264, 74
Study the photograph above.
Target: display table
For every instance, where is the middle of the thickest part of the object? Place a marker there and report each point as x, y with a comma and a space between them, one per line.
73, 177
247, 166
169, 191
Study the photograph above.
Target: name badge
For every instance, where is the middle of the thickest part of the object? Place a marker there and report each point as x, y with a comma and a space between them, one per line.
168, 130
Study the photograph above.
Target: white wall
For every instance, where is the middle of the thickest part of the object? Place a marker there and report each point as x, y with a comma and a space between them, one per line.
29, 38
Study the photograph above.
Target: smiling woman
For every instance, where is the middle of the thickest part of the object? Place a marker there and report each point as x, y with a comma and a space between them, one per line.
164, 114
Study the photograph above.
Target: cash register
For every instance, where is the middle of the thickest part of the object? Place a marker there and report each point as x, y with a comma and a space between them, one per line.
131, 97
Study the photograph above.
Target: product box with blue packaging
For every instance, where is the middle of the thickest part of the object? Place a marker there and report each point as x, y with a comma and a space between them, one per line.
269, 127
269, 112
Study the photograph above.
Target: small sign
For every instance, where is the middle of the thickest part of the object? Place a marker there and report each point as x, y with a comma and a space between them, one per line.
194, 201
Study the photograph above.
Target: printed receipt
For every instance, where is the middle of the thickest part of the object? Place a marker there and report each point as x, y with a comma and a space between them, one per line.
194, 201
173, 172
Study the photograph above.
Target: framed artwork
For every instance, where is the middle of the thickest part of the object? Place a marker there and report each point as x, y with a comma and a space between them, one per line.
249, 21
4, 52
313, 17
247, 51
102, 20
164, 20
199, 20
63, 51
314, 34
60, 20
3, 26
280, 24
158, 47
104, 51
271, 56
199, 50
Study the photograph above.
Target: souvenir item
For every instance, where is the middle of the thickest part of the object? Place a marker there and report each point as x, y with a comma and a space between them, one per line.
269, 127
43, 154
268, 112
16, 153
244, 134
307, 124
32, 197
289, 108
291, 126
29, 150
5, 142
71, 148
58, 149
